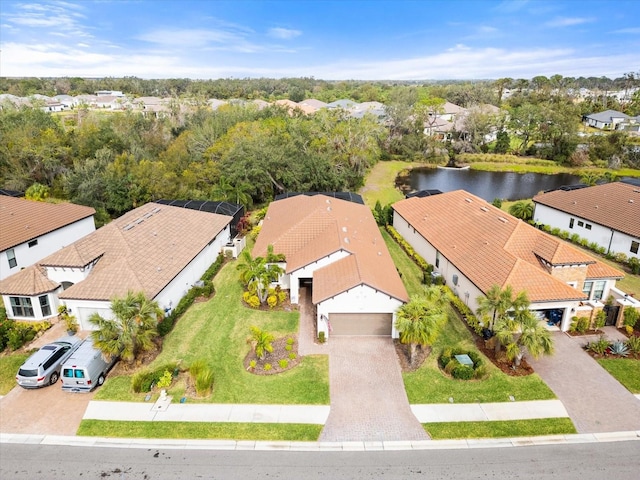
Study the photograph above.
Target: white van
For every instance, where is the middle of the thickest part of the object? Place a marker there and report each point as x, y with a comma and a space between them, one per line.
85, 369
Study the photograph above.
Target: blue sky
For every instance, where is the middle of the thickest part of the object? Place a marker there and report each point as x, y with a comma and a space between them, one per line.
325, 39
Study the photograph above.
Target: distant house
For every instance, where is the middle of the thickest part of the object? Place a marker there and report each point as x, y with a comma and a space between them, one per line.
607, 120
474, 246
29, 230
160, 250
312, 102
111, 93
607, 214
335, 247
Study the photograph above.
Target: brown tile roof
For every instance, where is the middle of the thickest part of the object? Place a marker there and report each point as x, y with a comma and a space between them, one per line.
23, 220
614, 205
308, 228
491, 247
143, 251
30, 281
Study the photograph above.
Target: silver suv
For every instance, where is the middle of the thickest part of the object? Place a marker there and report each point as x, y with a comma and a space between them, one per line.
43, 367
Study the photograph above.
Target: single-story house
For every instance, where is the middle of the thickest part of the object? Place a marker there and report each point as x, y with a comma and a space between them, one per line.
30, 230
474, 246
607, 214
335, 248
606, 120
160, 250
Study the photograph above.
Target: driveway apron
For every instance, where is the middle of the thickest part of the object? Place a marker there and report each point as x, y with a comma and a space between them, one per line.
595, 401
368, 399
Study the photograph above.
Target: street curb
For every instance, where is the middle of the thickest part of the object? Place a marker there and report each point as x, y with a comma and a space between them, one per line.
175, 444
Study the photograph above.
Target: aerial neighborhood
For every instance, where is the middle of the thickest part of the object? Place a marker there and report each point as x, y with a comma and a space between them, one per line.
328, 257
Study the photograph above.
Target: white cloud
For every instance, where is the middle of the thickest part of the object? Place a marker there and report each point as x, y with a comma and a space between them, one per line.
632, 30
284, 33
567, 21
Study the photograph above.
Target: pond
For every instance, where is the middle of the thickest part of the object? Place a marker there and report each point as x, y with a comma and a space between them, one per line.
486, 185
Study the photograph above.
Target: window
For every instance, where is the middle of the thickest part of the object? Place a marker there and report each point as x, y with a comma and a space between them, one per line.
634, 246
588, 226
44, 305
33, 243
571, 223
437, 259
21, 306
580, 223
455, 279
11, 256
598, 289
586, 288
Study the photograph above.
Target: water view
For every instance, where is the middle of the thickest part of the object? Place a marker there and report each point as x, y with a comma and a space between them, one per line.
486, 185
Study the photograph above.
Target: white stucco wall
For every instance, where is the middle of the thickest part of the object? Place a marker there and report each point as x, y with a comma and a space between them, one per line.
307, 272
38, 315
605, 237
361, 299
47, 244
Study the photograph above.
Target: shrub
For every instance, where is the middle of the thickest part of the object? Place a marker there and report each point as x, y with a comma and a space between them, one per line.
634, 265
165, 380
284, 363
497, 202
288, 348
633, 344
575, 238
630, 316
272, 301
252, 300
480, 372
579, 324
321, 337
252, 364
204, 381
292, 356
267, 367
620, 258
619, 348
421, 262
462, 372
599, 346
197, 366
282, 296
20, 334
144, 380
290, 341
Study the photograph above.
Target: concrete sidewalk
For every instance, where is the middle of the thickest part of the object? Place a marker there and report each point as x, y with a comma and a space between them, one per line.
207, 412
487, 412
313, 414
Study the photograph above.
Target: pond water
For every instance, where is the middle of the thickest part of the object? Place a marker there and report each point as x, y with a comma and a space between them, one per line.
486, 185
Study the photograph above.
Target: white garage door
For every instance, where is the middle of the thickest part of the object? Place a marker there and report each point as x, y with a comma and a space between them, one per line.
378, 324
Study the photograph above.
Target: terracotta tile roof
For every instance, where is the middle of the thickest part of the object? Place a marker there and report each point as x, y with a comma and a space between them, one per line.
143, 250
308, 228
30, 281
23, 220
614, 205
491, 247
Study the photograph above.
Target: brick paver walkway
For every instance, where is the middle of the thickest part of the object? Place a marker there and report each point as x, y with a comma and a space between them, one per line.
368, 400
595, 401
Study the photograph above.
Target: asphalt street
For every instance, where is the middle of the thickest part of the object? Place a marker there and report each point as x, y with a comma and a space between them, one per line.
581, 461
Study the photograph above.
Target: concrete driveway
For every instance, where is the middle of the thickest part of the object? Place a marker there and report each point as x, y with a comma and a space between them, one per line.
595, 401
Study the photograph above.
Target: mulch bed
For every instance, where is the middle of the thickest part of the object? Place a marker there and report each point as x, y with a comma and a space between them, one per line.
500, 360
279, 353
144, 358
402, 351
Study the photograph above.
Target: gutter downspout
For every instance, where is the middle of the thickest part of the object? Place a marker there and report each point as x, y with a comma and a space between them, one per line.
610, 242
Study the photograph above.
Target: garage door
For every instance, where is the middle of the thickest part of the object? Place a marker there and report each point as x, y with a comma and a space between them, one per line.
360, 324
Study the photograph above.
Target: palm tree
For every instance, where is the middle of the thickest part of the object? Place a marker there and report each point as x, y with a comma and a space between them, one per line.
495, 302
132, 328
263, 342
522, 210
525, 334
257, 274
420, 320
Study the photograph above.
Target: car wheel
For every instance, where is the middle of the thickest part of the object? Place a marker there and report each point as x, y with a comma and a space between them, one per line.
100, 379
54, 378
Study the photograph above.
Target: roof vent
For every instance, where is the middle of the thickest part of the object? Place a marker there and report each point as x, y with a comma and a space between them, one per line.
344, 229
484, 209
502, 219
468, 200
346, 239
630, 200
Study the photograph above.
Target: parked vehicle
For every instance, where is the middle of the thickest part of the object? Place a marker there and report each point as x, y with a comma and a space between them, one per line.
85, 369
43, 367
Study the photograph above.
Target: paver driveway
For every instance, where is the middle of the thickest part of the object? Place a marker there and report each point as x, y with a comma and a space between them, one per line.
595, 401
368, 400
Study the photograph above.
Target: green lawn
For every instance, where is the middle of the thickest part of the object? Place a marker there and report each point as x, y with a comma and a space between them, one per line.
411, 273
200, 430
9, 366
217, 331
510, 428
625, 370
380, 182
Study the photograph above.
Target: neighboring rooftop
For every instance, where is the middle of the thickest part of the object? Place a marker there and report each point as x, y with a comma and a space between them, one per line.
491, 247
308, 228
23, 220
614, 205
142, 250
